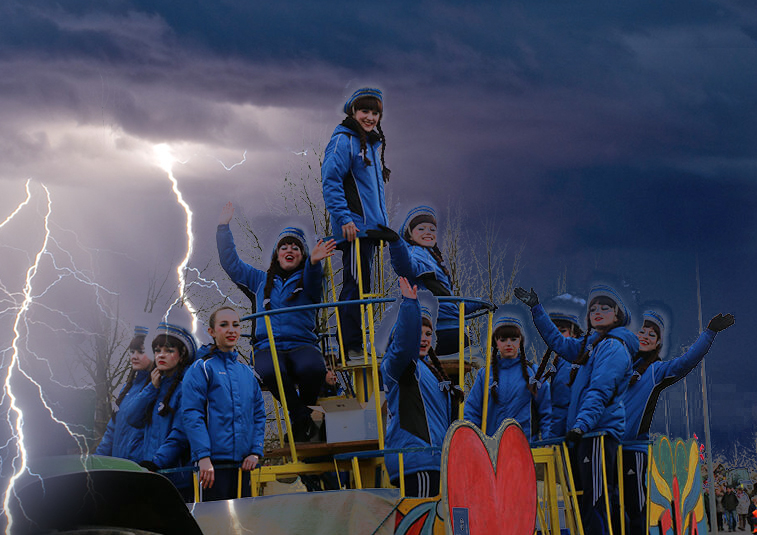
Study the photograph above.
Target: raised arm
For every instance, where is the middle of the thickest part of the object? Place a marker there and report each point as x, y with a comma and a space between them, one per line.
239, 272
406, 342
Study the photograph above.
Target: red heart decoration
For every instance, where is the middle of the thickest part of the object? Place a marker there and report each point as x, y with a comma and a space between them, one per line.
492, 477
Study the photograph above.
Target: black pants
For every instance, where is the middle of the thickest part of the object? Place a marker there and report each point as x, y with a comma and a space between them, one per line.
634, 491
349, 316
588, 471
424, 484
226, 484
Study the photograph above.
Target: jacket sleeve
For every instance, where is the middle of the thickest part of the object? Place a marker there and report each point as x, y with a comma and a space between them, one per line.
406, 342
312, 281
544, 410
474, 403
611, 364
239, 272
259, 419
677, 368
136, 412
567, 348
336, 164
105, 447
194, 392
169, 453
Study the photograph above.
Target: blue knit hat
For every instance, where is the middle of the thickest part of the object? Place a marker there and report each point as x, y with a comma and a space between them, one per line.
180, 333
654, 317
362, 92
563, 316
297, 234
508, 320
415, 212
602, 290
141, 331
426, 313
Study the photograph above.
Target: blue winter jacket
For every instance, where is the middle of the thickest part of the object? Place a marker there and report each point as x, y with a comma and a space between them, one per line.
419, 409
222, 408
414, 261
353, 191
292, 329
560, 392
641, 397
513, 400
121, 439
164, 450
596, 397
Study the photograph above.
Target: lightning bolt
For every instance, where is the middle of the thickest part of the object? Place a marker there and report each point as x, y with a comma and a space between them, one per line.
244, 159
20, 206
166, 161
15, 415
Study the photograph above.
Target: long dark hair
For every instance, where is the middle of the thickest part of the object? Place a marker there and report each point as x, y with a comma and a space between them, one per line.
166, 340
276, 269
648, 357
436, 253
137, 344
583, 354
575, 332
372, 104
502, 332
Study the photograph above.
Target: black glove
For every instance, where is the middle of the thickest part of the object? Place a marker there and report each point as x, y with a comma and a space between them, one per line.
151, 466
383, 233
528, 297
721, 322
574, 435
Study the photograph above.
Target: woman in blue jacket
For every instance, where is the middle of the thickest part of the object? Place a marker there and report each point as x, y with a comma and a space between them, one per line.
294, 278
421, 400
513, 391
353, 174
650, 377
121, 439
223, 411
157, 408
598, 379
417, 257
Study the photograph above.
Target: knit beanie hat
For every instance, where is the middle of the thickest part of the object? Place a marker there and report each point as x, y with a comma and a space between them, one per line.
602, 290
180, 333
362, 92
415, 212
297, 234
654, 317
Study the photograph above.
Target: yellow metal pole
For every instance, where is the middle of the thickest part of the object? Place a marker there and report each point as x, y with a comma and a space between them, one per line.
461, 352
573, 495
280, 385
604, 483
487, 372
542, 519
402, 475
356, 473
338, 478
649, 482
361, 296
239, 483
621, 491
330, 271
375, 377
196, 482
381, 278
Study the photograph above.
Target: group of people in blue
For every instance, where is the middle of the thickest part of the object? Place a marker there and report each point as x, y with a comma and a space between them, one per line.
204, 406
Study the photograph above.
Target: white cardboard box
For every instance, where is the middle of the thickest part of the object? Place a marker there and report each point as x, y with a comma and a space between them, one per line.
348, 420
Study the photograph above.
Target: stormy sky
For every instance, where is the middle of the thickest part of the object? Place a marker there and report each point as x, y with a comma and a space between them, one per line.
612, 141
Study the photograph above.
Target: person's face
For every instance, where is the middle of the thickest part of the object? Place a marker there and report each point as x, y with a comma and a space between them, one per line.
508, 346
602, 316
139, 359
289, 256
426, 334
648, 340
424, 234
226, 331
567, 332
166, 359
367, 119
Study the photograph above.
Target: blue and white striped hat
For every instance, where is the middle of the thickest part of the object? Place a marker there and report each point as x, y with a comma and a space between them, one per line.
141, 331
180, 333
362, 92
508, 320
426, 313
297, 234
415, 212
602, 290
564, 316
654, 317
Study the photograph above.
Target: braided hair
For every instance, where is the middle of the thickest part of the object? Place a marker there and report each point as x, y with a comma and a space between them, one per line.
137, 344
438, 371
648, 357
166, 340
436, 253
500, 333
375, 105
575, 332
276, 269
583, 354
